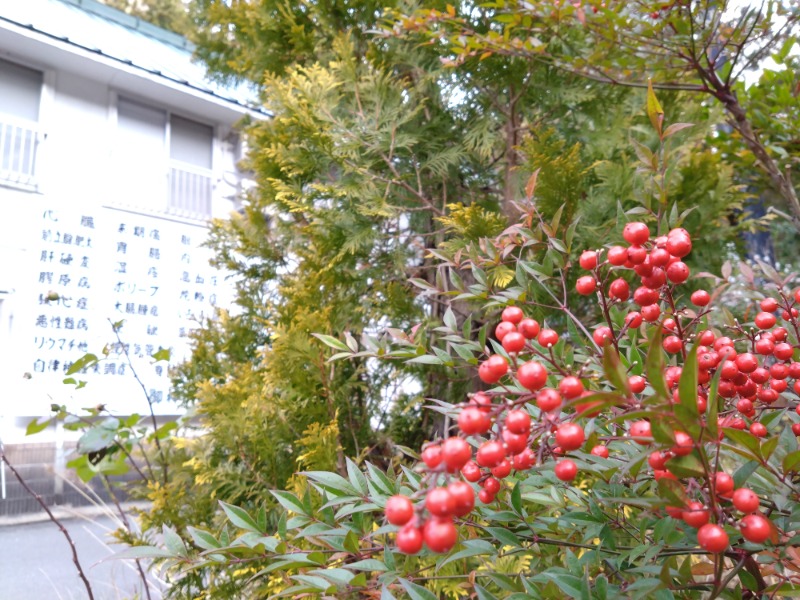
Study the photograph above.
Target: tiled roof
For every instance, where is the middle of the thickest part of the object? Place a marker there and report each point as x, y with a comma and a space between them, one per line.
96, 28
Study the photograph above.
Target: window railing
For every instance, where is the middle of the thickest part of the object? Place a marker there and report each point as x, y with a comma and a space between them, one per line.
19, 140
190, 190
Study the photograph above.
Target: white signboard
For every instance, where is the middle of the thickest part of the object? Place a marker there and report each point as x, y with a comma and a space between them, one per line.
98, 267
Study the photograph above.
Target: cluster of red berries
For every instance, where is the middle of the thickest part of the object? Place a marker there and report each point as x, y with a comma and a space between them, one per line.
507, 438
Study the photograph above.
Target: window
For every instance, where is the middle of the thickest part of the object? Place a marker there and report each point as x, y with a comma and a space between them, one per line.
164, 161
20, 96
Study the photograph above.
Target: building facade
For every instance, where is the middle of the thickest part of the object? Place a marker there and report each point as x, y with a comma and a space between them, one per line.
115, 151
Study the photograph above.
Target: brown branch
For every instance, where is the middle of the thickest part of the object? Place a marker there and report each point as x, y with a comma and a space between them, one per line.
53, 518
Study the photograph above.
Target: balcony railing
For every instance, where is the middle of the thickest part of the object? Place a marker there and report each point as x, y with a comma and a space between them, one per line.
190, 190
19, 140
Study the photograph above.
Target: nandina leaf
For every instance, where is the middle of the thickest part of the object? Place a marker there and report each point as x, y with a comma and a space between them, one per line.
654, 110
672, 492
686, 466
687, 394
713, 406
791, 461
614, 371
654, 366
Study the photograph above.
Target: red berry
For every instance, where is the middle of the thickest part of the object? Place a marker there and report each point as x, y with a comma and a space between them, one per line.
483, 401
439, 502
755, 528
502, 470
532, 375
601, 451
658, 460
619, 289
633, 320
440, 535
548, 399
640, 430
645, 296
672, 344
491, 485
617, 255
712, 538
463, 497
456, 453
783, 351
796, 428
723, 483
758, 429
602, 335
524, 460
651, 313
485, 496
636, 233
769, 305
586, 285
432, 456
472, 420
514, 443
746, 362
696, 515
745, 500
588, 260
492, 369
528, 328
513, 342
399, 510
547, 338
700, 298
678, 272
683, 444
512, 314
571, 387
678, 245
518, 421
765, 320
490, 454
637, 255
637, 383
565, 470
570, 436
409, 539
471, 471
503, 329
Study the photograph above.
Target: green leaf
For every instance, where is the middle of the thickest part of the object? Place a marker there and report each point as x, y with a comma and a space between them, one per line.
239, 517
356, 477
654, 110
654, 366
686, 466
504, 536
675, 128
483, 593
173, 542
571, 585
84, 362
416, 592
289, 501
203, 539
35, 427
516, 498
368, 564
331, 341
614, 371
791, 461
332, 482
673, 492
136, 552
476, 547
162, 354
688, 415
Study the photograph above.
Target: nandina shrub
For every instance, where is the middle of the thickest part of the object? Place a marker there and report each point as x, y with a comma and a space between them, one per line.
650, 455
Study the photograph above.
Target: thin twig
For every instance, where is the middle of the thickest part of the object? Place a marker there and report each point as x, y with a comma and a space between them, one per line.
53, 518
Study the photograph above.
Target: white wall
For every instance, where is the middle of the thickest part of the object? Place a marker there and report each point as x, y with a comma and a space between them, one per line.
44, 240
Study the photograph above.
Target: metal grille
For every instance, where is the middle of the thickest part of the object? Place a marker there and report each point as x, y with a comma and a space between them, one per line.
190, 190
18, 143
36, 464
